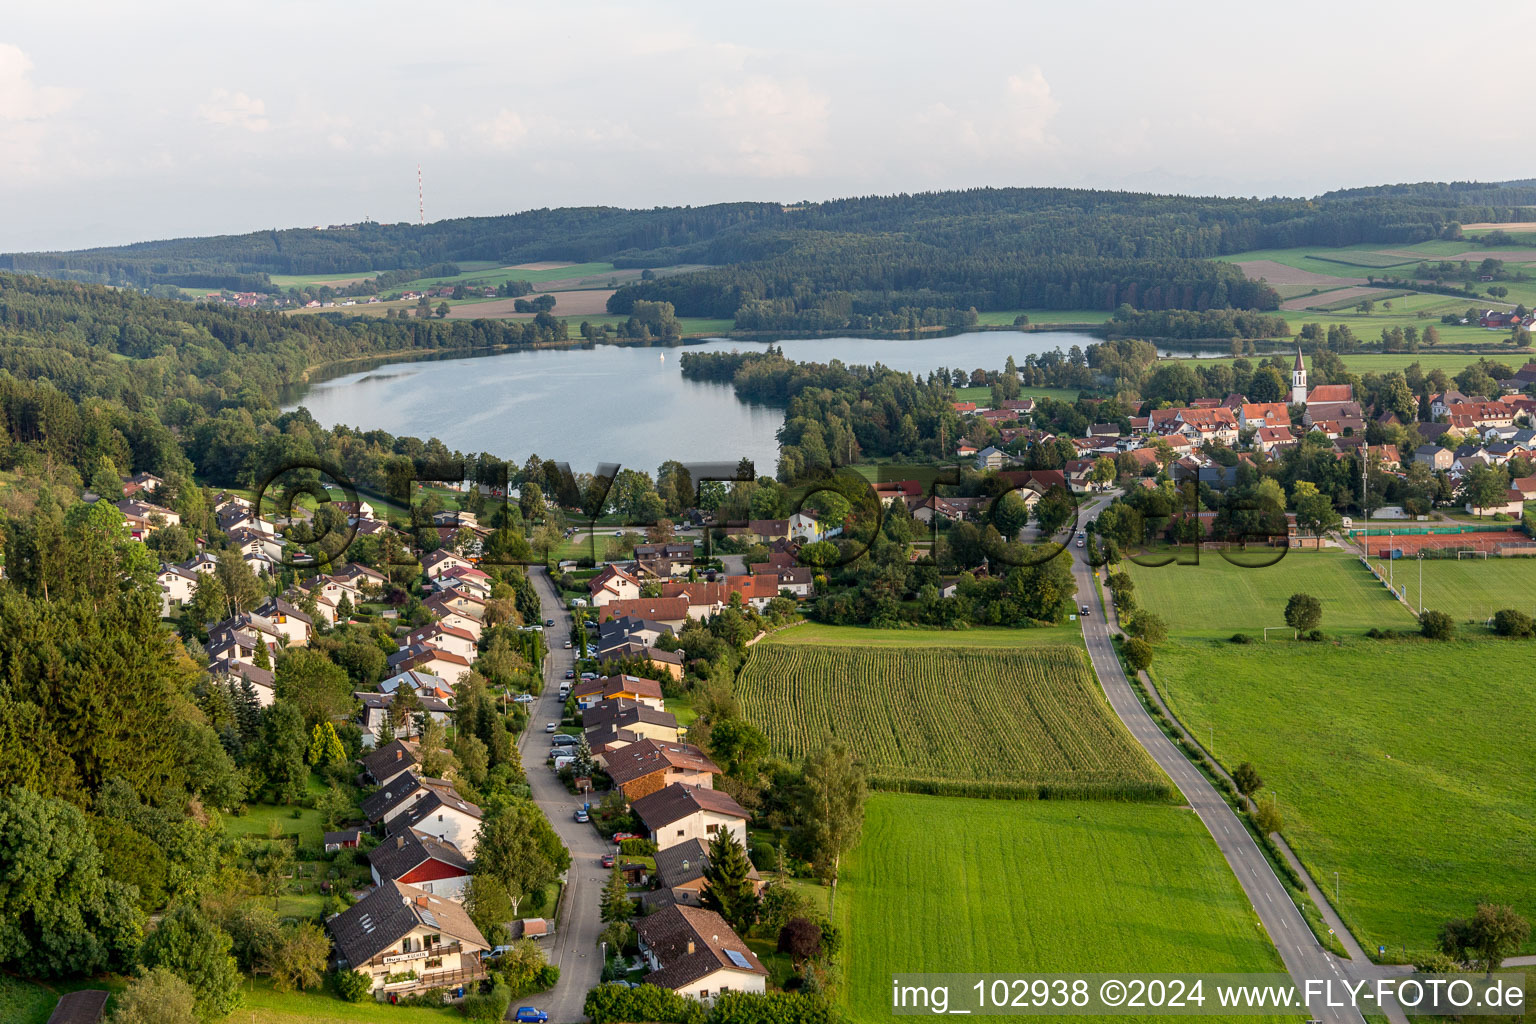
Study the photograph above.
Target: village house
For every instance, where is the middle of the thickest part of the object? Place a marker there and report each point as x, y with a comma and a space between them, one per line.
432, 805
447, 615
629, 631
611, 659
1440, 404
436, 563
591, 692
435, 661
680, 872
991, 457
693, 952
423, 684
670, 611
678, 813
416, 858
397, 929
622, 719
1438, 459
612, 584
385, 764
141, 484
647, 766
375, 709
144, 518
445, 638
177, 585
291, 622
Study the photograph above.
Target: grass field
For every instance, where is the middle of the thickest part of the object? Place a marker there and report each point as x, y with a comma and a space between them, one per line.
989, 637
496, 275
1006, 317
1031, 718
23, 1002
1471, 588
1403, 765
1382, 362
1217, 598
981, 885
984, 395
264, 1005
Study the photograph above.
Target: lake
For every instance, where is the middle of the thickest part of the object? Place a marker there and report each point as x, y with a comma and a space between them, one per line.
624, 404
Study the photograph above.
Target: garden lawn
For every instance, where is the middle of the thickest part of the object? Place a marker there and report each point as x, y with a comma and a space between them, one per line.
1217, 598
25, 1002
945, 884
963, 722
306, 826
265, 1005
1403, 765
990, 637
983, 395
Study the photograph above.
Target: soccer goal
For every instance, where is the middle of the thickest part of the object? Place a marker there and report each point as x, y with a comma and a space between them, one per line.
1474, 552
1295, 633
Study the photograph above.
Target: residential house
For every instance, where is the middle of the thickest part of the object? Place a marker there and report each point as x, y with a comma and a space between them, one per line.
629, 631
678, 813
445, 638
289, 620
144, 518
612, 584
1253, 415
766, 531
436, 563
423, 684
432, 660
417, 858
263, 682
613, 659
444, 814
670, 611
933, 507
591, 692
648, 766
1438, 459
806, 529
1268, 439
605, 719
1440, 404
693, 952
177, 585
397, 929
143, 484
375, 709
991, 457
387, 763
1513, 505
680, 870
755, 591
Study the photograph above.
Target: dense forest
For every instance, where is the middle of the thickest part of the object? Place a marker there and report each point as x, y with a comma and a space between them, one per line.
851, 262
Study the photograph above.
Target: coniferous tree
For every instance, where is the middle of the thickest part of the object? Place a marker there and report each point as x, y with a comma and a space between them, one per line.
728, 890
616, 904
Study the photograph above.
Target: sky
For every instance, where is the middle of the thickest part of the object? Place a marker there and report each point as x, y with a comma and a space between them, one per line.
128, 122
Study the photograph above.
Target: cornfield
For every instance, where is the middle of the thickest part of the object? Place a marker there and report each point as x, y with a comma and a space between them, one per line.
1026, 723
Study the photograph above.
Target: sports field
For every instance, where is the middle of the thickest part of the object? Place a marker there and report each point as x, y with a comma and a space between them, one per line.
943, 884
1403, 765
1469, 589
1217, 598
1030, 718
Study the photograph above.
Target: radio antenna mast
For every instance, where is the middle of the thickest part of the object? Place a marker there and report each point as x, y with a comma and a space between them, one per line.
421, 203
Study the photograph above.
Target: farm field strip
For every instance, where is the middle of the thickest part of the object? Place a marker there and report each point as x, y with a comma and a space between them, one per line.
1035, 717
1036, 886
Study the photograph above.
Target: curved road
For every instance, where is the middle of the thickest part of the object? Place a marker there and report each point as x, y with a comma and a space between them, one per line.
1304, 956
573, 948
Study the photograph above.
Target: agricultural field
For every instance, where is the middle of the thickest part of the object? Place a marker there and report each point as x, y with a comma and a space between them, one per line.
1469, 589
1005, 317
984, 395
1216, 598
1402, 765
968, 719
1006, 886
989, 637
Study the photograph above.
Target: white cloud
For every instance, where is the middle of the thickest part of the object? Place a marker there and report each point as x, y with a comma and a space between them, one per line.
235, 110
20, 99
504, 131
765, 127
1019, 125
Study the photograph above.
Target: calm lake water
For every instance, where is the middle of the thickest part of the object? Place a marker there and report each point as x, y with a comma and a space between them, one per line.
610, 403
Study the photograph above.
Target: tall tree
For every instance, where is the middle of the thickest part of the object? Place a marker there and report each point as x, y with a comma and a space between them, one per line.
197, 951
831, 812
728, 889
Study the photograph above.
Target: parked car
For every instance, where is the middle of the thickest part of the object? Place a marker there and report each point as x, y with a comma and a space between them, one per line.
552, 726
619, 837
567, 645
561, 760
607, 860
549, 622
530, 1015
618, 533
498, 951
564, 741
589, 675
1085, 609
524, 698
570, 673
581, 815
1079, 542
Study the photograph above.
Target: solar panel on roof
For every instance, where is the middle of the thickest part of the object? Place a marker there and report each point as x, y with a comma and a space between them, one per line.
427, 918
739, 959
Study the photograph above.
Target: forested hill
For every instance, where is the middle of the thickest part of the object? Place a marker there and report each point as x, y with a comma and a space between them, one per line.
995, 223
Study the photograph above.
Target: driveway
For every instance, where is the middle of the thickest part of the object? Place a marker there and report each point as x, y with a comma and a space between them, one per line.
573, 948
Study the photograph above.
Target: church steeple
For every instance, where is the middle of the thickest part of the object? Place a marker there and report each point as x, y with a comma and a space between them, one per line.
1299, 380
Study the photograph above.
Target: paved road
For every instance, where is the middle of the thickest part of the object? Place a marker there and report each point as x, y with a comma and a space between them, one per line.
1304, 957
574, 948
